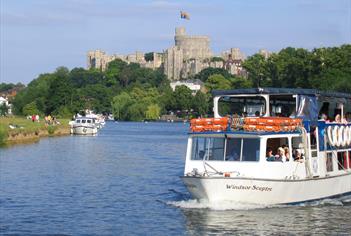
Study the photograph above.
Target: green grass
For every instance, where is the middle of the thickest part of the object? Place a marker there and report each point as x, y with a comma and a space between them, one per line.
24, 126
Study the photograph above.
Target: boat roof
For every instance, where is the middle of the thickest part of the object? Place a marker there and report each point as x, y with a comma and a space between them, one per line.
281, 91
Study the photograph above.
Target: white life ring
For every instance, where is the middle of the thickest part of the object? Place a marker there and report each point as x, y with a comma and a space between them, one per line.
347, 135
84, 130
342, 138
336, 138
330, 136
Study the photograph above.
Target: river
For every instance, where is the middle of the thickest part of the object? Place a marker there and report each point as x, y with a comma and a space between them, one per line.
125, 181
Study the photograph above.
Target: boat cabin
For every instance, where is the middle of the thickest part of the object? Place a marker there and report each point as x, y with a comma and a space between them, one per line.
85, 120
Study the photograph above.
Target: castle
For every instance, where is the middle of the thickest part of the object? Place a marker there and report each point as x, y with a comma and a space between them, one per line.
189, 56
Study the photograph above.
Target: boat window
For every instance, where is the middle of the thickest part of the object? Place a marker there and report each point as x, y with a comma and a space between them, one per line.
282, 105
331, 107
83, 121
342, 161
89, 121
242, 106
278, 149
233, 149
78, 121
251, 150
297, 148
208, 148
329, 162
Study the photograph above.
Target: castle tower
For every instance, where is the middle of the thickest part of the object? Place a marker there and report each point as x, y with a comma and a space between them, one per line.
194, 47
187, 48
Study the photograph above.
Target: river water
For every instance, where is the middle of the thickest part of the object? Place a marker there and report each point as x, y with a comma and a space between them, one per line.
125, 181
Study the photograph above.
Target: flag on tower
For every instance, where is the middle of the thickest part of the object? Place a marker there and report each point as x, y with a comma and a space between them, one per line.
184, 15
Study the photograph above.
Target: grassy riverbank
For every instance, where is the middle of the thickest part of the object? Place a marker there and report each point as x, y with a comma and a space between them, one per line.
16, 129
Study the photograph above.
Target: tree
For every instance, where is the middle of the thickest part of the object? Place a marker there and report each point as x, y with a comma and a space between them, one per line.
153, 112
60, 91
201, 103
3, 109
240, 82
206, 73
217, 81
30, 109
183, 97
256, 66
149, 56
136, 112
120, 104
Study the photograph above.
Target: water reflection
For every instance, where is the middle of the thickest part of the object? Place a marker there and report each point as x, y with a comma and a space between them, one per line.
323, 219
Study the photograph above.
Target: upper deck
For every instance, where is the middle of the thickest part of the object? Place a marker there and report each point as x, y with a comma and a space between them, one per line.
307, 104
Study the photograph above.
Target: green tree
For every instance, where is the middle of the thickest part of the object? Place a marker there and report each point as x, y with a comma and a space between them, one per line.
217, 81
149, 56
60, 92
3, 109
240, 82
183, 98
205, 74
120, 104
256, 66
201, 103
136, 112
153, 112
30, 109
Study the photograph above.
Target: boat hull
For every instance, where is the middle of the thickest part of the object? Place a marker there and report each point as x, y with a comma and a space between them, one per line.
267, 191
84, 130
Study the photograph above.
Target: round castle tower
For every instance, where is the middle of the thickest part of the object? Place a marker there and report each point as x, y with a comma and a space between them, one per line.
194, 47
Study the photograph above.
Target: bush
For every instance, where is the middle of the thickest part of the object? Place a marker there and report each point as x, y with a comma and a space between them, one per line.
51, 129
3, 136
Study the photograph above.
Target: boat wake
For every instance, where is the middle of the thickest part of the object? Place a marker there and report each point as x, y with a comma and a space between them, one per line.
223, 206
218, 206
342, 201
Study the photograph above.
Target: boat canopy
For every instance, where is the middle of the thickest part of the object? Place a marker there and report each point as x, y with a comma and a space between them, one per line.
308, 104
282, 91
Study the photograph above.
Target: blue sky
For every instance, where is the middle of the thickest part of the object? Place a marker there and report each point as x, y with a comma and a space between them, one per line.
37, 36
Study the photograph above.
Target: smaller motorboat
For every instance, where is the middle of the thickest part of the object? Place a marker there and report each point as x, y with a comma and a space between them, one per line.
84, 126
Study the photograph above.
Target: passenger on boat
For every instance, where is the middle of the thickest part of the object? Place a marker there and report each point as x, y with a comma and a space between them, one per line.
269, 155
257, 114
348, 117
297, 156
280, 155
293, 114
323, 117
287, 153
232, 156
337, 119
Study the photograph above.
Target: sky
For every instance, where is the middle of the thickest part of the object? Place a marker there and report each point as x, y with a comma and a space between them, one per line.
37, 36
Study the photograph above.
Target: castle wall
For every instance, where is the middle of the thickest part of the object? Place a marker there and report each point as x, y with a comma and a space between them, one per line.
99, 59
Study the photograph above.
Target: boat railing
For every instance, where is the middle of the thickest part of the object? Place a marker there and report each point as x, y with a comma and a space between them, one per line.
336, 135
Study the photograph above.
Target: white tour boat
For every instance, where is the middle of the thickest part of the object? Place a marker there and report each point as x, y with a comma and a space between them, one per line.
271, 146
84, 126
